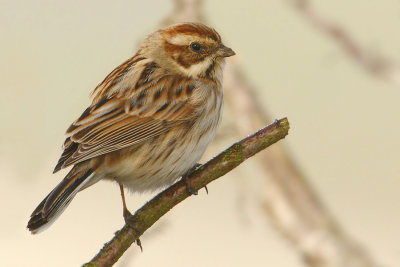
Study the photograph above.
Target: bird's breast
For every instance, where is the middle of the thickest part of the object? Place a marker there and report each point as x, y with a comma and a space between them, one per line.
159, 161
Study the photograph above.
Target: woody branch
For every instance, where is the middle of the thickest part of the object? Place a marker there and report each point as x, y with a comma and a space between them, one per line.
152, 211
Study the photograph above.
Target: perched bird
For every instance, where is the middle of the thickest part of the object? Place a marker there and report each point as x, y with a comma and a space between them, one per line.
149, 122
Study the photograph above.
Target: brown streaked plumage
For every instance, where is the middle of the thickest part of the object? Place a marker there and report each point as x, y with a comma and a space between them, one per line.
150, 119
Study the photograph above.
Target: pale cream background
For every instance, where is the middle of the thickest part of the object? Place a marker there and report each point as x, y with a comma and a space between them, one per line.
345, 129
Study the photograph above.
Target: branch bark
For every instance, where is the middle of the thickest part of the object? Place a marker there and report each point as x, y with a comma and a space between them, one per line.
146, 216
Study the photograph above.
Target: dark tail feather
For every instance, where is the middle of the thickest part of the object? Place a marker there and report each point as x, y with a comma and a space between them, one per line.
54, 204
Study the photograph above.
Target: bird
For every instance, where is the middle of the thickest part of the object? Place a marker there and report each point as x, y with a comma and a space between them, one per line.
149, 121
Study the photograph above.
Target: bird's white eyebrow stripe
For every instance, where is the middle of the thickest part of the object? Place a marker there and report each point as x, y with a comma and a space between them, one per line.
185, 39
181, 39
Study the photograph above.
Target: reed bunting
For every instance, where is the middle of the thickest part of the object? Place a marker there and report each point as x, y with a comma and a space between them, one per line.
149, 122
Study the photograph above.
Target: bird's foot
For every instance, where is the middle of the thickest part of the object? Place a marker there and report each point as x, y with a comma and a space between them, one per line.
189, 187
129, 220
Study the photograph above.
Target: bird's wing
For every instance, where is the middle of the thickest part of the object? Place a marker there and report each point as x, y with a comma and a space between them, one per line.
135, 102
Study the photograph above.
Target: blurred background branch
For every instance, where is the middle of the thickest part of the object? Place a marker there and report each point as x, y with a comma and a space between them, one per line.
375, 64
290, 202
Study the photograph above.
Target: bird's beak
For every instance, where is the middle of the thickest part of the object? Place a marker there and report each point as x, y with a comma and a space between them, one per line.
224, 51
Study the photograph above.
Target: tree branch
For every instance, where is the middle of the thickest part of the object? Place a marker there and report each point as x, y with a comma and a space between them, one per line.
153, 210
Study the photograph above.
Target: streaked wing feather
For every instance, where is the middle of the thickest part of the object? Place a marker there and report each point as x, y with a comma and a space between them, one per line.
114, 138
120, 120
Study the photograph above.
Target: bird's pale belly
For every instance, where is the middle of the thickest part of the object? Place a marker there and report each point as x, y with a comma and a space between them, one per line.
159, 162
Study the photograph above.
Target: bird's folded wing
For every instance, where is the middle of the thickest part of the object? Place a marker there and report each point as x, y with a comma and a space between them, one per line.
116, 123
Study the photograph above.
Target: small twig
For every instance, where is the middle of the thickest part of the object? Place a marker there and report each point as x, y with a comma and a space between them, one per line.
153, 210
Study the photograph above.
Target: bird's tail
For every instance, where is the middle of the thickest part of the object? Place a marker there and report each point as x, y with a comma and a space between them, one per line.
55, 203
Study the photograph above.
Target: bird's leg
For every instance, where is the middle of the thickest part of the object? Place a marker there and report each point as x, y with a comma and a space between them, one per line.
189, 187
128, 215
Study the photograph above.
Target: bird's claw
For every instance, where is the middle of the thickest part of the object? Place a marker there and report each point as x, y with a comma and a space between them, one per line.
128, 217
189, 187
139, 243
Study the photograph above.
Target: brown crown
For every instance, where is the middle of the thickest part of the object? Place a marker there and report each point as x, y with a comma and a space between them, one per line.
198, 29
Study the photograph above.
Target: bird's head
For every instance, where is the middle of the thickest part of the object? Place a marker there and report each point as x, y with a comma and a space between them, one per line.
190, 49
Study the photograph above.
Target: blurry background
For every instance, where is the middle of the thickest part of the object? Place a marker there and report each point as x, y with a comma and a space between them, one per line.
344, 129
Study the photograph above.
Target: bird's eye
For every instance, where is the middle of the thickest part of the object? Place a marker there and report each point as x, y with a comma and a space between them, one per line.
196, 47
